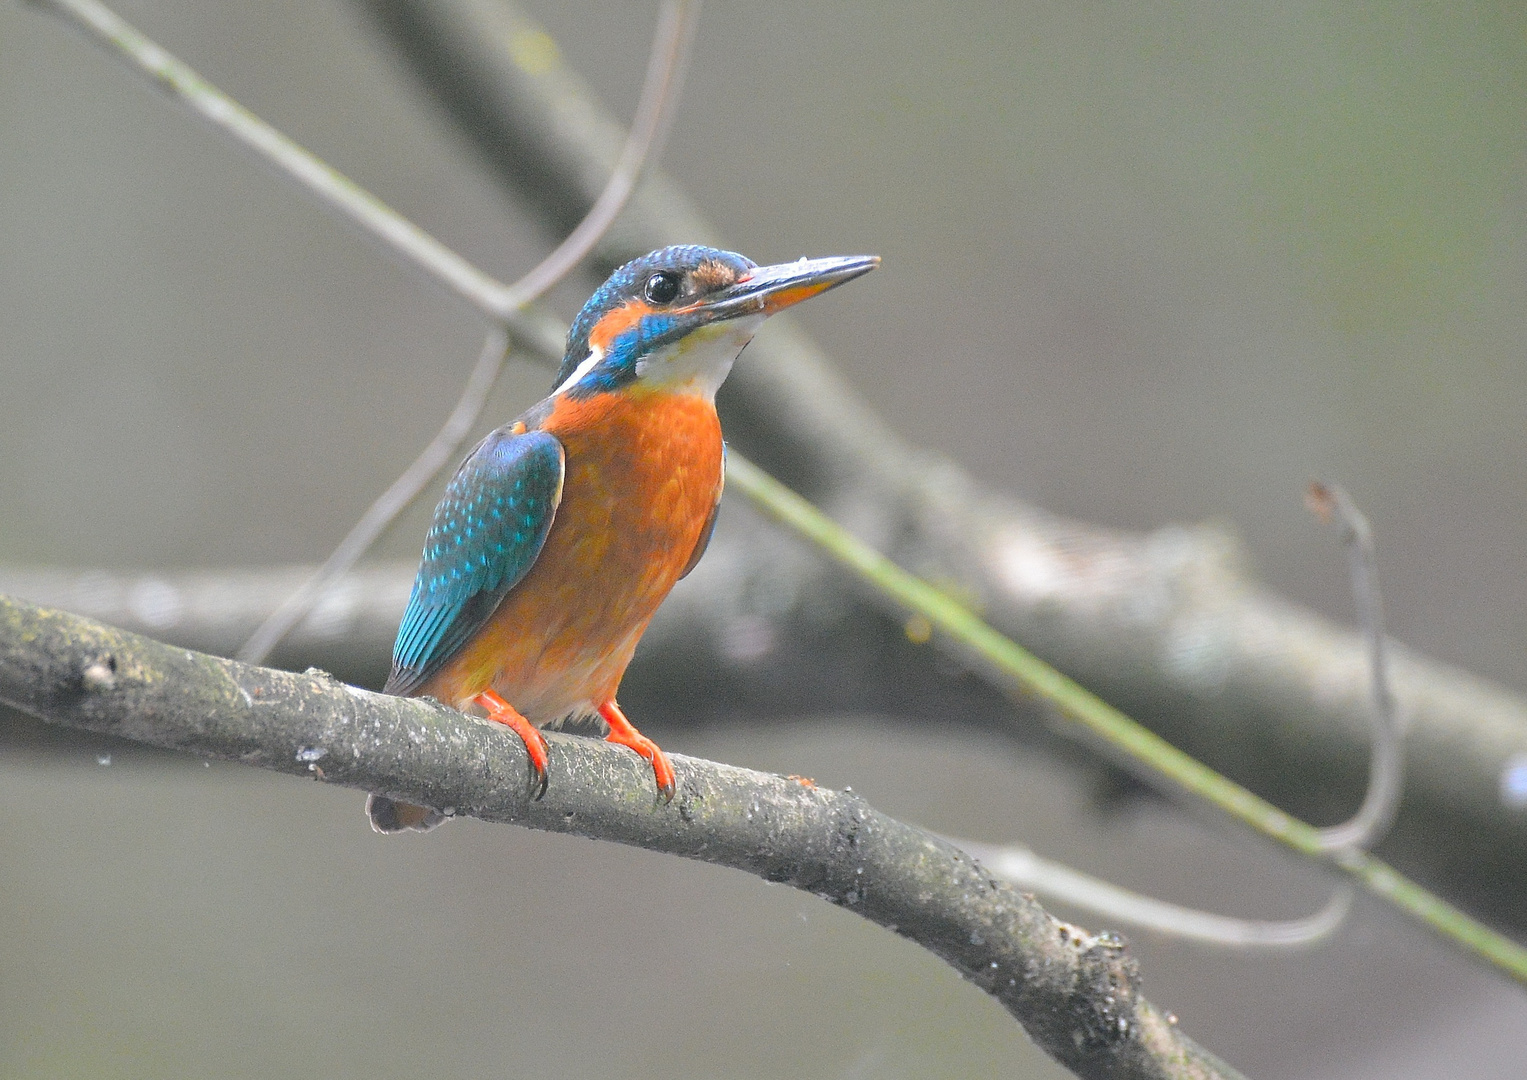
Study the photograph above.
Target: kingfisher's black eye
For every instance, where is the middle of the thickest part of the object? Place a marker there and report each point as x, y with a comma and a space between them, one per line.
662, 287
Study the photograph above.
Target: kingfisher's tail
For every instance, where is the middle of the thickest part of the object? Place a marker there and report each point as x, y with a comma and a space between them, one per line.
390, 816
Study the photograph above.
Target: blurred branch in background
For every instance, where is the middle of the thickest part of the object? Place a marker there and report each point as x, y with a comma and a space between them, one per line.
1126, 741
1373, 819
1076, 994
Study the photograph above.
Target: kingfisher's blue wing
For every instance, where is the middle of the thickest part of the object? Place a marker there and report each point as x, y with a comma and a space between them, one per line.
487, 532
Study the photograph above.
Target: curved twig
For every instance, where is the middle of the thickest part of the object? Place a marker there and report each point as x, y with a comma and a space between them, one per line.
1381, 801
1076, 994
1386, 764
654, 114
649, 130
1056, 881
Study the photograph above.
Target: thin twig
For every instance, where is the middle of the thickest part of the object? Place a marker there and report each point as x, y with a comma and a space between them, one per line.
654, 115
1076, 994
1380, 805
1058, 882
649, 130
1386, 766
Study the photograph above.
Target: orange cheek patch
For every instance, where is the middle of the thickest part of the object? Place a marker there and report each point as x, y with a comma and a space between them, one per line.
617, 322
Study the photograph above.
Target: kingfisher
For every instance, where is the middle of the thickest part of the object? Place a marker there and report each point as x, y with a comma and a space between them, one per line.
561, 533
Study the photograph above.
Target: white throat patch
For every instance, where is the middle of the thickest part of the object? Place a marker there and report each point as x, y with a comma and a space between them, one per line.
699, 362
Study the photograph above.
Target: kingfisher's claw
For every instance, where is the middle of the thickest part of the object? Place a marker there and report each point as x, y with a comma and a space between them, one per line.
622, 733
501, 712
662, 772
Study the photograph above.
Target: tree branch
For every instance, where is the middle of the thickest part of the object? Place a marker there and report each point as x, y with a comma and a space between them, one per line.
1076, 994
739, 620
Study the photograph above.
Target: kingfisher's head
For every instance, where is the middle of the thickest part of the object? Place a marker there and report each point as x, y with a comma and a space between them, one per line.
677, 318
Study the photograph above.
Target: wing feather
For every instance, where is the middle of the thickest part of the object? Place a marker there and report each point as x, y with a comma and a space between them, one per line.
487, 532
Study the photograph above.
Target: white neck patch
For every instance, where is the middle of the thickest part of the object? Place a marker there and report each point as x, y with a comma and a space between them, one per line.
594, 356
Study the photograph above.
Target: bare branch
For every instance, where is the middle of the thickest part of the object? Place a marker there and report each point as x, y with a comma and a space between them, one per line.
1123, 734
1077, 994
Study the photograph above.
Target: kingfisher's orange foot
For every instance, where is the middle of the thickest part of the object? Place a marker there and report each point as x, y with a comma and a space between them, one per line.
622, 733
501, 712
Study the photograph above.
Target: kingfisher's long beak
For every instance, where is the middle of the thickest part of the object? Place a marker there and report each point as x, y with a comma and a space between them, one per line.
768, 289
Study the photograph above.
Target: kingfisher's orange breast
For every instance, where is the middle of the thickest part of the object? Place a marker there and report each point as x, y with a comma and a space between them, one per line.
643, 470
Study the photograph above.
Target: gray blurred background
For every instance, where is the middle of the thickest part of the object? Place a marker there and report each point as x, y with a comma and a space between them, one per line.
1142, 265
